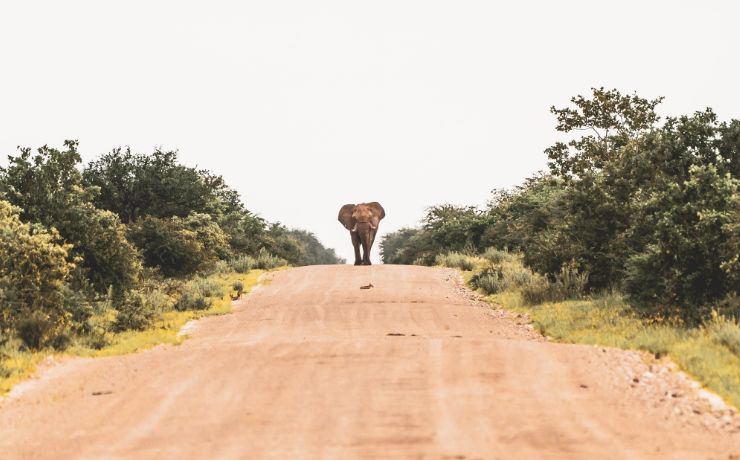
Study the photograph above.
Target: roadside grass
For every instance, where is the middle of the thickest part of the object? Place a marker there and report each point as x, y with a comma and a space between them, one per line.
455, 260
709, 353
17, 365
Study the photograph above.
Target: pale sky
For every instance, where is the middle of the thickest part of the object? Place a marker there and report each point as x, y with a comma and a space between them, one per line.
304, 106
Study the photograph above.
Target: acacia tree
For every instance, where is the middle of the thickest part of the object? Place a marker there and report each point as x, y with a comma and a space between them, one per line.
610, 120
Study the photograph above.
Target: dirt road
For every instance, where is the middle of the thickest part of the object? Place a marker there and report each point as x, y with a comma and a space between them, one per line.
312, 366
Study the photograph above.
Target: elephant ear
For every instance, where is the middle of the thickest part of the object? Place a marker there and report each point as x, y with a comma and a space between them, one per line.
377, 208
345, 216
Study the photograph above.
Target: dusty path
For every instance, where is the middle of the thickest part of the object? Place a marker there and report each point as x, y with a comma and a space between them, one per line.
311, 366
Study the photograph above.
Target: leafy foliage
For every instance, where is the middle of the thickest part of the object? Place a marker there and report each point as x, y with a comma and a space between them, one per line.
136, 311
650, 210
48, 189
311, 251
402, 246
180, 246
455, 260
198, 294
611, 120
33, 270
87, 254
135, 185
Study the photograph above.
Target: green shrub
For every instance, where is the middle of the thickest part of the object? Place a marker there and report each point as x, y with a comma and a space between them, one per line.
681, 271
504, 271
725, 332
455, 260
36, 330
422, 261
48, 188
569, 284
207, 287
496, 256
490, 282
242, 264
33, 271
221, 267
266, 261
391, 245
108, 258
520, 276
180, 246
192, 300
170, 286
572, 282
729, 307
79, 308
238, 286
198, 294
135, 312
540, 290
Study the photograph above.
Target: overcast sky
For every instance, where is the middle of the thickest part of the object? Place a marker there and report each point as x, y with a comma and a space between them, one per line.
304, 106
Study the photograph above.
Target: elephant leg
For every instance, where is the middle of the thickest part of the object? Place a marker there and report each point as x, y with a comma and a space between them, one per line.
365, 252
368, 246
356, 244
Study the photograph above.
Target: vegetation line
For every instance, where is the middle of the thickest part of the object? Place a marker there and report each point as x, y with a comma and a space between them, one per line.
116, 255
710, 353
164, 329
630, 239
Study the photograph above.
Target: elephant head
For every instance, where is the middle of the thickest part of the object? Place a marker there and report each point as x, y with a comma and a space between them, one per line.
362, 222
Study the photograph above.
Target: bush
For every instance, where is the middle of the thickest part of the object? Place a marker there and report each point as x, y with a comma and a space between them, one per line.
503, 272
80, 310
180, 246
238, 287
569, 284
242, 264
36, 330
311, 251
207, 287
490, 282
48, 189
99, 239
496, 256
725, 332
455, 260
198, 294
221, 266
680, 272
266, 261
729, 307
192, 300
391, 245
540, 290
136, 311
33, 271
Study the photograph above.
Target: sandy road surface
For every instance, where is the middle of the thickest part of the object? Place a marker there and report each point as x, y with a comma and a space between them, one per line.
306, 368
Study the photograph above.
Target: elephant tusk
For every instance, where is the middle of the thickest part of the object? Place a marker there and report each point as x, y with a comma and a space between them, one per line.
354, 229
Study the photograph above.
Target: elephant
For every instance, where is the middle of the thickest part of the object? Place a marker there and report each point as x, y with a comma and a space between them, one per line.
362, 222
